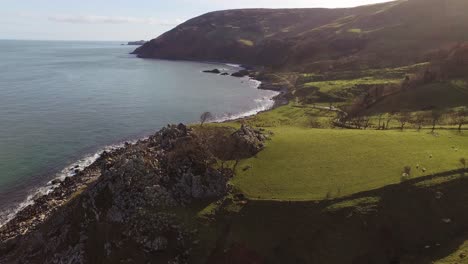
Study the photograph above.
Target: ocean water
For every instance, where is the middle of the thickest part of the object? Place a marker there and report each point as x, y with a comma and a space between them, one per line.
63, 102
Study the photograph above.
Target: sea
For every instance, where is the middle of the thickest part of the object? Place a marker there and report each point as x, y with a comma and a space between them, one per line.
63, 102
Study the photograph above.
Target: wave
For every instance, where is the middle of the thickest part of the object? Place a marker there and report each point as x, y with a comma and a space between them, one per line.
263, 104
68, 171
233, 65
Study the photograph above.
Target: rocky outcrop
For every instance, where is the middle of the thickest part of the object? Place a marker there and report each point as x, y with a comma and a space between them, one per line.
216, 71
241, 73
124, 215
249, 140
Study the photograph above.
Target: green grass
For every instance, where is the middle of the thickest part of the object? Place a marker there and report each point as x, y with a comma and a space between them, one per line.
381, 73
361, 204
400, 217
460, 256
311, 164
293, 115
334, 85
355, 30
246, 42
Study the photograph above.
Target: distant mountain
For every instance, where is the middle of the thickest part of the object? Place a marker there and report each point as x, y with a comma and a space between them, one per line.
388, 34
137, 43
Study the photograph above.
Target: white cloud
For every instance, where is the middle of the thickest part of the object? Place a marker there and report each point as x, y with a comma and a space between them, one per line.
93, 19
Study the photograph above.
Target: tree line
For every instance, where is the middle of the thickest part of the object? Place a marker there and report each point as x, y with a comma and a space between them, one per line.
353, 116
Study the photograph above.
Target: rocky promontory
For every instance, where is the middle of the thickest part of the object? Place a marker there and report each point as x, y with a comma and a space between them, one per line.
120, 209
137, 43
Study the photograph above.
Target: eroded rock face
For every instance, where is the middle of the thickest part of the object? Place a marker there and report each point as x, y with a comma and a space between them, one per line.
250, 140
122, 216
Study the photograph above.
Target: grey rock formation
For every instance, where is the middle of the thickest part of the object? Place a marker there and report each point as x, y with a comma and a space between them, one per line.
122, 214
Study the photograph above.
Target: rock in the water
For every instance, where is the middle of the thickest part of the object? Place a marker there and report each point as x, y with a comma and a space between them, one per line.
241, 73
216, 71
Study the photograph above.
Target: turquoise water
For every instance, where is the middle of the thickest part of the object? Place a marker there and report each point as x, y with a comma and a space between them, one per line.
60, 101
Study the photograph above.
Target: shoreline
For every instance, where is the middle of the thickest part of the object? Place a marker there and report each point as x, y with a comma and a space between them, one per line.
78, 176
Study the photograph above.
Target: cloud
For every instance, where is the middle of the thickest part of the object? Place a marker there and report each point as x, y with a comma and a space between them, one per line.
92, 19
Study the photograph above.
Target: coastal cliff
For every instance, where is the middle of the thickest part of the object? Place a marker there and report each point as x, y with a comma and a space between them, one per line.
121, 209
388, 34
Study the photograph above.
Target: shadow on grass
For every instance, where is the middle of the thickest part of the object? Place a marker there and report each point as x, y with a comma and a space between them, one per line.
419, 221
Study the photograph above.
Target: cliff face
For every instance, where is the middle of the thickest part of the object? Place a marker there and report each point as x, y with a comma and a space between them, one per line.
392, 33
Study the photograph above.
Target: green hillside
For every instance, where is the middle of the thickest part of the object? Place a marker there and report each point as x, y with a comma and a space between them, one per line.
312, 164
393, 33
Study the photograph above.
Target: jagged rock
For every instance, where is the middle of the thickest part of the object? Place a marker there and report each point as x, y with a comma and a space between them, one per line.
131, 186
158, 244
216, 71
241, 73
249, 139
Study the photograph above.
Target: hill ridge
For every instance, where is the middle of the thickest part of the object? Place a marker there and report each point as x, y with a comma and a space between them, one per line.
381, 35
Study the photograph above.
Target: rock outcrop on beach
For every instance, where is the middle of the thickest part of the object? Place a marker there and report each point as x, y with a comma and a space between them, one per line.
125, 215
241, 73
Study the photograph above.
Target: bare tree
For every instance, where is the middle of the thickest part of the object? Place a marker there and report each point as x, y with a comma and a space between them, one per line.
361, 121
403, 118
436, 115
390, 116
205, 117
353, 113
460, 117
420, 119
366, 122
380, 121
463, 162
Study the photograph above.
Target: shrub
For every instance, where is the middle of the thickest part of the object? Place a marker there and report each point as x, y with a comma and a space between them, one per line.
205, 117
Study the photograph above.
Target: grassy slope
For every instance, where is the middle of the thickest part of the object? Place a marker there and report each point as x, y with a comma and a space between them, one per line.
396, 224
382, 35
306, 164
346, 85
459, 256
307, 161
445, 94
327, 86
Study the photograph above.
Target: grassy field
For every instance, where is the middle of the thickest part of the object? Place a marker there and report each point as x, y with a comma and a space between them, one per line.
293, 115
333, 85
313, 164
401, 222
331, 195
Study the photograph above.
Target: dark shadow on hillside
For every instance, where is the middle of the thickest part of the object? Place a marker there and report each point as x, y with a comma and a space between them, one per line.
418, 221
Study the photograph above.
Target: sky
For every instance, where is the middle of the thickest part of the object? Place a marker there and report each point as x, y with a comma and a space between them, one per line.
123, 20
